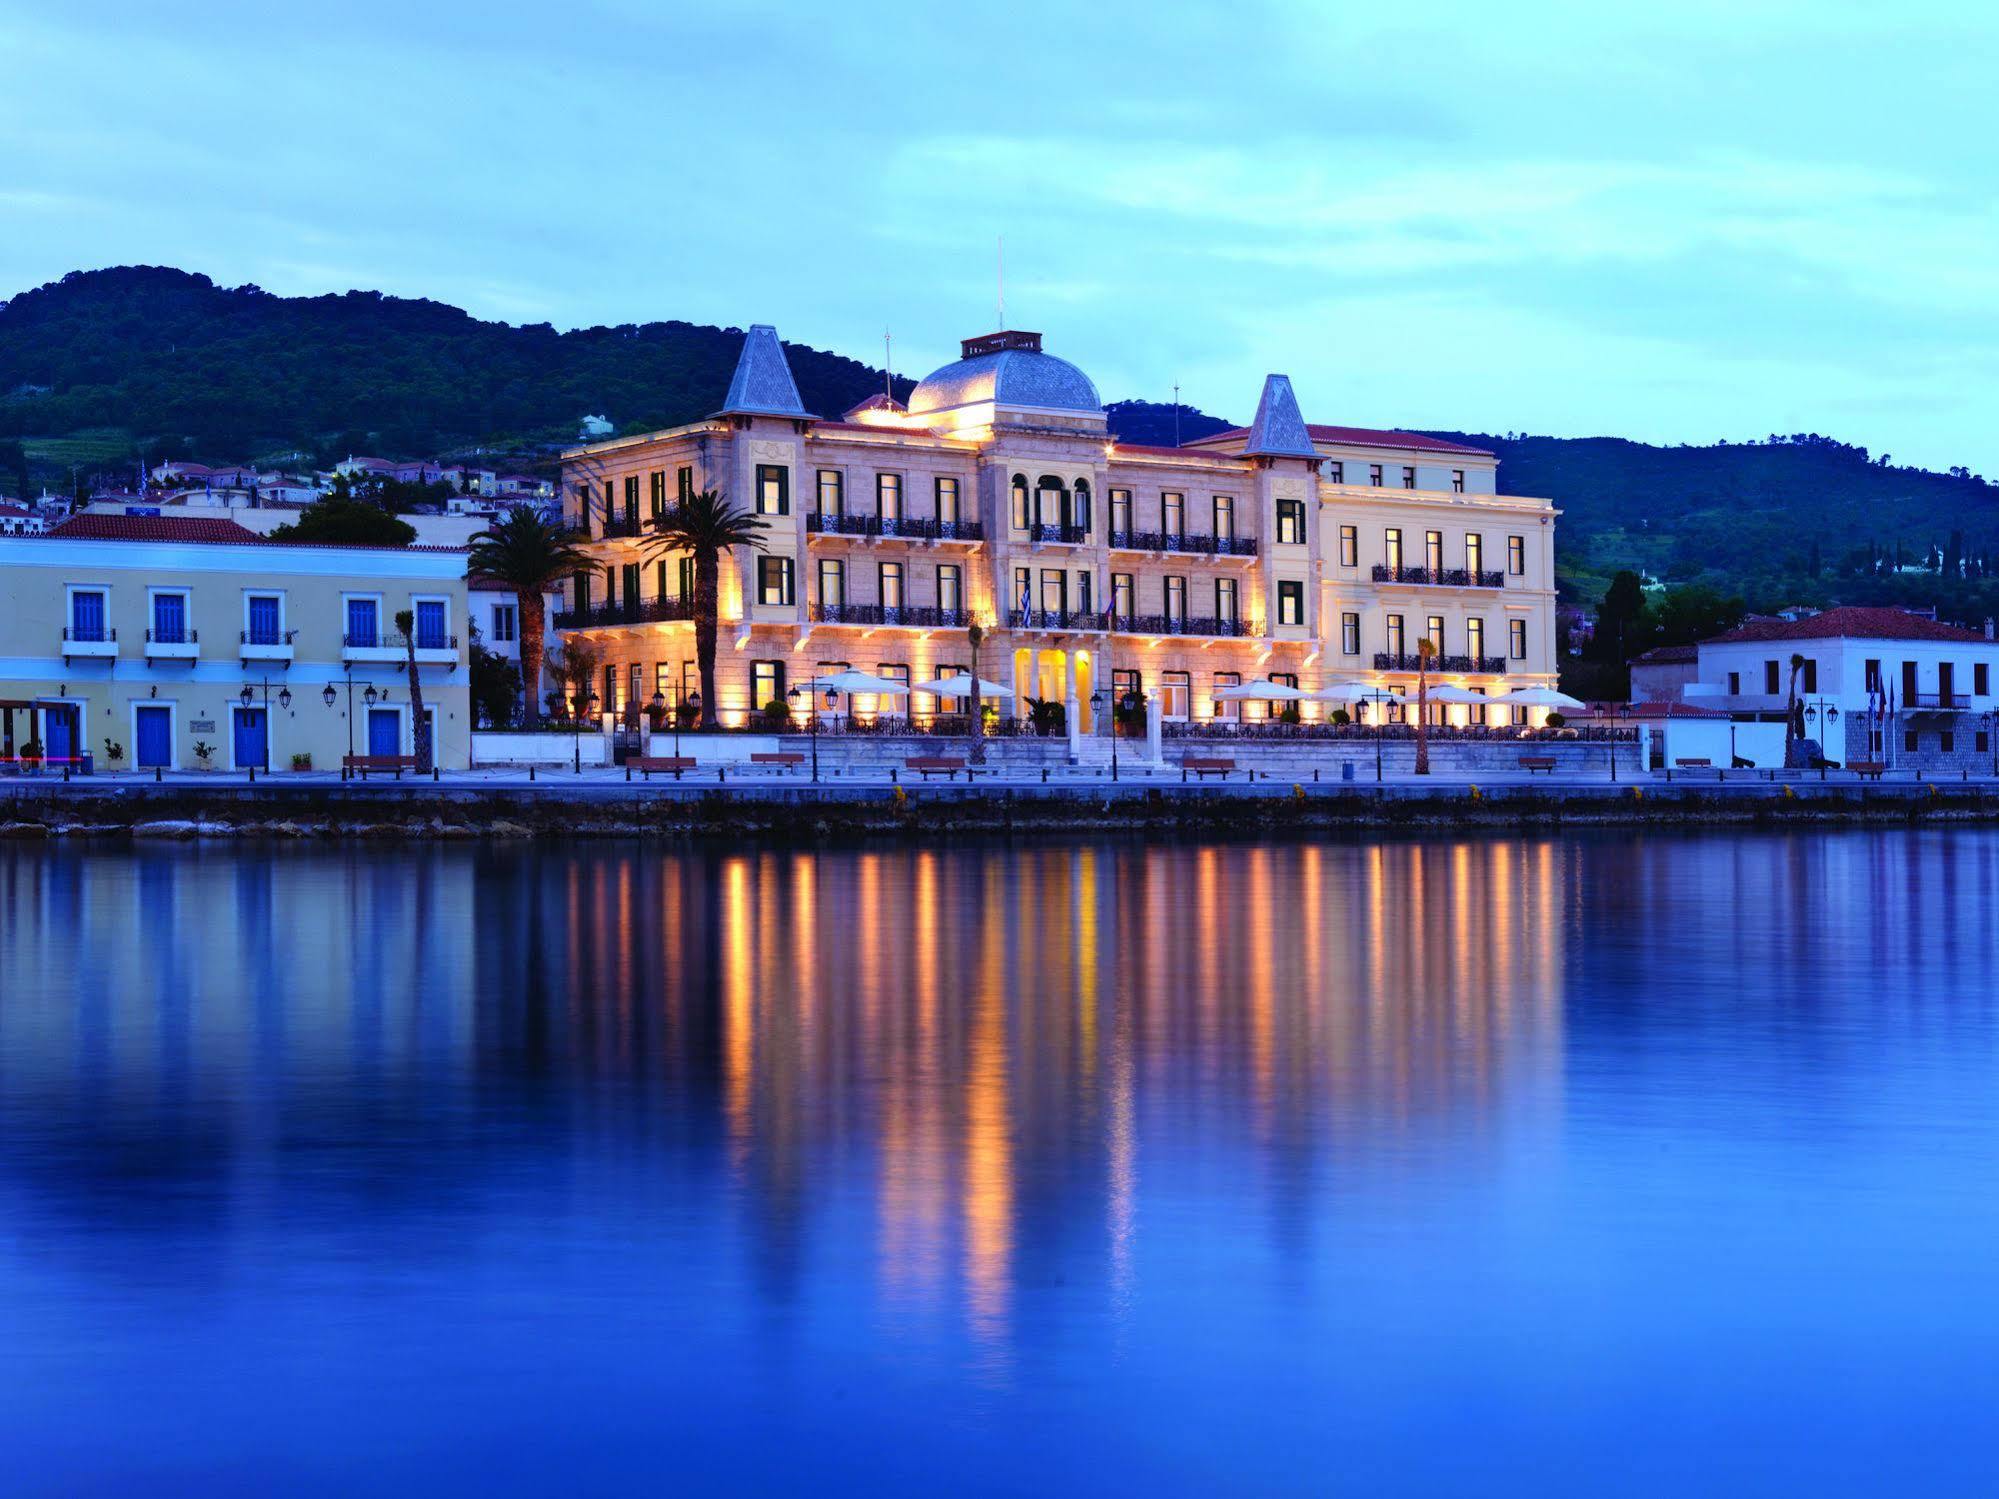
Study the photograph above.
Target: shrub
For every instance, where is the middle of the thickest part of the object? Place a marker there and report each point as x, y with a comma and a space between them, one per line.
302, 762
113, 751
1340, 718
1290, 714
1556, 721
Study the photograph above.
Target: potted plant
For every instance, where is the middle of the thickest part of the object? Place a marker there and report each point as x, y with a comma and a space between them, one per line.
302, 761
113, 751
31, 753
1046, 716
204, 754
1290, 716
1339, 718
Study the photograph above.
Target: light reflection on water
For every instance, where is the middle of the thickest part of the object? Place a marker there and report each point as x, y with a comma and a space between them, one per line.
1563, 1165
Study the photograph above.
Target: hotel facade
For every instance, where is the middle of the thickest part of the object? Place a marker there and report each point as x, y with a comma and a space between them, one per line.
1309, 555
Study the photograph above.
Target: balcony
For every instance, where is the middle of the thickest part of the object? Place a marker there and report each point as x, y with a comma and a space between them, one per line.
1439, 577
1038, 533
1938, 702
266, 645
1175, 624
1408, 661
902, 616
89, 645
646, 612
1054, 619
172, 645
1170, 541
431, 650
613, 528
908, 528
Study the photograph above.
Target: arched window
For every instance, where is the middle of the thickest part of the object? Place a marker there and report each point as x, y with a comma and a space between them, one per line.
1020, 515
1079, 515
1051, 500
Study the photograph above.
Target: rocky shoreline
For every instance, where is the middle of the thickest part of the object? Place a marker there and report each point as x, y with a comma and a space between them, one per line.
789, 814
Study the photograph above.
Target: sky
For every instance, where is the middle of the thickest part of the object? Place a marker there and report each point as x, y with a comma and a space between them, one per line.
1672, 223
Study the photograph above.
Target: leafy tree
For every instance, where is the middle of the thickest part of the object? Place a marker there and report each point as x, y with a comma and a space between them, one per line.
705, 525
343, 522
1618, 632
531, 554
496, 687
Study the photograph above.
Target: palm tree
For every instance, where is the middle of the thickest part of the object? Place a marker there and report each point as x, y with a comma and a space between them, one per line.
975, 636
1792, 731
419, 721
531, 554
1425, 650
706, 525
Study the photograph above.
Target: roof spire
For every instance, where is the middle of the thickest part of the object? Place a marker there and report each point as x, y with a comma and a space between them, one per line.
1279, 428
762, 385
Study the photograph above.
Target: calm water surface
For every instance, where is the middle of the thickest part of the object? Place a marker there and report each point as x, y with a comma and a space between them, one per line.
1561, 1166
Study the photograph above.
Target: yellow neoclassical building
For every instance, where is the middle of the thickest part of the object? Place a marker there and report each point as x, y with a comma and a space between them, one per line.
164, 636
1311, 555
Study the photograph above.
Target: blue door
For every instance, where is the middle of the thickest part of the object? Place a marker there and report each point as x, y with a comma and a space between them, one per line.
385, 731
60, 722
155, 735
250, 741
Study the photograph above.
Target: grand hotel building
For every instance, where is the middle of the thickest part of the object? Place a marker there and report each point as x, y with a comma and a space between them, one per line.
1308, 554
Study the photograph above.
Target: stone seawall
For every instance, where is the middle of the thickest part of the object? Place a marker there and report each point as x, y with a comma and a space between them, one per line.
783, 812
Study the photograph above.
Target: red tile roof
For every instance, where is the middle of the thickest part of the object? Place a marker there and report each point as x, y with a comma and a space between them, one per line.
1361, 437
1667, 655
1849, 622
98, 527
1655, 710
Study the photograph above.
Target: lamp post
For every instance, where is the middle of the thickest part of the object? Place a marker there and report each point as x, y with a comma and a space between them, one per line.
812, 729
577, 703
248, 696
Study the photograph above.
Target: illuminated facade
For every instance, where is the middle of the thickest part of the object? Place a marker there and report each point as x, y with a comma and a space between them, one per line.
1308, 554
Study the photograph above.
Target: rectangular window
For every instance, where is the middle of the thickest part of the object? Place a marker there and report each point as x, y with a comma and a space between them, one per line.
888, 584
1873, 676
1290, 602
659, 576
1946, 741
1225, 516
1349, 546
579, 597
1374, 475
1981, 679
1408, 477
1396, 637
506, 623
1019, 507
631, 499
1810, 676
773, 489
1173, 514
657, 497
1127, 686
1023, 590
1735, 684
1516, 555
430, 632
774, 580
1176, 695
1391, 548
1457, 481
631, 585
265, 612
1433, 551
1349, 634
1474, 553
1336, 473
1225, 599
947, 501
1121, 512
888, 500
1909, 741
683, 486
608, 703
1772, 679
1085, 590
1291, 523
363, 614
1475, 640
86, 615
832, 583
1121, 592
610, 585
687, 585
1908, 683
950, 587
1054, 591
1176, 599
662, 680
767, 685
1229, 708
831, 494
635, 675
170, 618
1516, 639
1435, 633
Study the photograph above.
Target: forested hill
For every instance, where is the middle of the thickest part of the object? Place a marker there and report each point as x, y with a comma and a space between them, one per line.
172, 360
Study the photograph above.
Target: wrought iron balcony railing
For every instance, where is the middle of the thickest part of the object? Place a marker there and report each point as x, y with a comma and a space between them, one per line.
1176, 541
908, 616
910, 527
644, 612
173, 637
1055, 619
1409, 661
1440, 577
1179, 624
1068, 535
266, 637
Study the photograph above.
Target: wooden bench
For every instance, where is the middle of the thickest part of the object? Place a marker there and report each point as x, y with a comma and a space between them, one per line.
1201, 767
1693, 762
1866, 768
947, 766
666, 765
1532, 763
367, 765
780, 760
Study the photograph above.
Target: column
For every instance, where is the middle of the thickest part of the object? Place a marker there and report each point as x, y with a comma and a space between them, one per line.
1019, 688
1072, 710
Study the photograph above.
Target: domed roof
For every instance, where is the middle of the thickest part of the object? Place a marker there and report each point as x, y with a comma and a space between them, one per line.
1007, 369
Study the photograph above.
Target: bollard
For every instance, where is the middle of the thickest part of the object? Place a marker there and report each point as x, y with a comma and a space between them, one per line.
156, 775
1183, 775
721, 774
891, 775
530, 772
628, 773
1044, 775
434, 777
1315, 775
253, 775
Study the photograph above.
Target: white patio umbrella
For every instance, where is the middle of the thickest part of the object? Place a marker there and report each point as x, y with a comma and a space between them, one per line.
962, 687
1261, 689
1537, 697
858, 681
1448, 693
1357, 692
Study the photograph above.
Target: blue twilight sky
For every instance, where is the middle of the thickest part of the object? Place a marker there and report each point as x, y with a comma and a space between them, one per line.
1670, 222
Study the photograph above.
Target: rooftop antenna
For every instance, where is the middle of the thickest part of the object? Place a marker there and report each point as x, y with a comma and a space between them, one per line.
1002, 283
1176, 413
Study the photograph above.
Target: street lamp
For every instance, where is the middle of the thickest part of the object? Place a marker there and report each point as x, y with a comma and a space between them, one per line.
813, 728
577, 703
